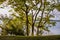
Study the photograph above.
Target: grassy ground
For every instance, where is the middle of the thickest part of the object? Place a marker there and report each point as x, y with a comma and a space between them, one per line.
53, 37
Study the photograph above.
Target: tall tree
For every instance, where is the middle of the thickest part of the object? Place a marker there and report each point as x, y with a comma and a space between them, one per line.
37, 13
40, 6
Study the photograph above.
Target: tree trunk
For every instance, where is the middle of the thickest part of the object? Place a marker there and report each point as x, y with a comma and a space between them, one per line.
33, 30
37, 31
32, 24
27, 30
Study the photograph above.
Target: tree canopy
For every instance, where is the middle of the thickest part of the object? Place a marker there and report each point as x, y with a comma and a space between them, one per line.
33, 13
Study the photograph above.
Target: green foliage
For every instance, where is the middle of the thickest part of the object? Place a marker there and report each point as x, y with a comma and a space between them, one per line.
15, 31
15, 26
22, 7
1, 1
54, 37
58, 7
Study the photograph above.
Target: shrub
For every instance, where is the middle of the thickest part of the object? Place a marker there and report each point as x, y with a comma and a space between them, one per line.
57, 37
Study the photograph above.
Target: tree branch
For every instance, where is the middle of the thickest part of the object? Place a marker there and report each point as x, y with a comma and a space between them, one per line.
27, 19
47, 16
37, 13
23, 9
41, 15
39, 24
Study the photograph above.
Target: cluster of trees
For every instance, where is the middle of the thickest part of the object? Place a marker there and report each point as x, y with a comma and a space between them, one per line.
31, 14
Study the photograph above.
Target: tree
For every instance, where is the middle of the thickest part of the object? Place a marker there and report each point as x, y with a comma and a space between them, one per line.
12, 25
41, 8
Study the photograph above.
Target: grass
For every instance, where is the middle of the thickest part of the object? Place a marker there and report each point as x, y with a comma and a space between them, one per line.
53, 37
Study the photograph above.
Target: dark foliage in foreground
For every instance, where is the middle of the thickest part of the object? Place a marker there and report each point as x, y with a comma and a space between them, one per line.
57, 37
15, 31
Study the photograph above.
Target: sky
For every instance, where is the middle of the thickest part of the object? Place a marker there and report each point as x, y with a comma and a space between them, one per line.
53, 30
4, 11
56, 29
